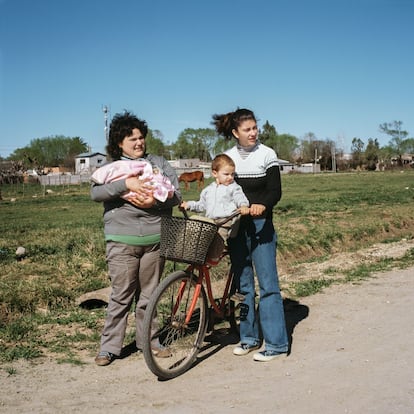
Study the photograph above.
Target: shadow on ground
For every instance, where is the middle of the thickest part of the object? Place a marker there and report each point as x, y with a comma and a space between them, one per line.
294, 313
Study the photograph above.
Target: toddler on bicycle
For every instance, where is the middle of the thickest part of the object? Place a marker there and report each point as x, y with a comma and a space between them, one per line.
219, 200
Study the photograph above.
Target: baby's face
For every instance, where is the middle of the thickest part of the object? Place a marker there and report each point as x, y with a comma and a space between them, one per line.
225, 175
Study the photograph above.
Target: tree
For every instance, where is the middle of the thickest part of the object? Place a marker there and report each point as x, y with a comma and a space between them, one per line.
326, 149
409, 145
209, 138
221, 145
308, 149
268, 134
372, 152
398, 136
285, 145
154, 143
357, 149
50, 152
184, 146
195, 143
385, 155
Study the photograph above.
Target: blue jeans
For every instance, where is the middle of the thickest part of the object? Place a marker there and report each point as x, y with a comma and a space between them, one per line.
255, 247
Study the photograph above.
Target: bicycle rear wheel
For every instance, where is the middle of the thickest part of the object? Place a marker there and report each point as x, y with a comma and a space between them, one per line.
167, 324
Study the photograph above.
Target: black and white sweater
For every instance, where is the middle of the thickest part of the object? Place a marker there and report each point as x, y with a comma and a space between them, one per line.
259, 176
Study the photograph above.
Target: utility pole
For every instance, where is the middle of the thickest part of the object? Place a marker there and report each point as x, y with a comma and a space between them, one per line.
105, 110
333, 152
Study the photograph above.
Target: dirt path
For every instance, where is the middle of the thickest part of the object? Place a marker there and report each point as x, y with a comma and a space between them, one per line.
351, 353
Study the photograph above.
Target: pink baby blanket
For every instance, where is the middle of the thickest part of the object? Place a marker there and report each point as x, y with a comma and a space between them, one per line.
121, 169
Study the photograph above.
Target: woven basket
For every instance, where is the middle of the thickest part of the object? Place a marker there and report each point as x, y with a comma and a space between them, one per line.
184, 240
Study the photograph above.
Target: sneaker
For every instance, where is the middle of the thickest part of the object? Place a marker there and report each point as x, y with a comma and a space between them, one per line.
244, 349
161, 352
265, 356
104, 358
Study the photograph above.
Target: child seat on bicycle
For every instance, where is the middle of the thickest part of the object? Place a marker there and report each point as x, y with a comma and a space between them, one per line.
219, 200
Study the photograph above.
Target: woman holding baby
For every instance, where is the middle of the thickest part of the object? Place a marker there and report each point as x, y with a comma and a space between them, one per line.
132, 228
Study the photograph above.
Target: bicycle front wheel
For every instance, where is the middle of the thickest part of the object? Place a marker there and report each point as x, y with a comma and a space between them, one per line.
175, 324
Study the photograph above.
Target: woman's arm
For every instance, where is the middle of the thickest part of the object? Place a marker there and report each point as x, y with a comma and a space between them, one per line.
110, 191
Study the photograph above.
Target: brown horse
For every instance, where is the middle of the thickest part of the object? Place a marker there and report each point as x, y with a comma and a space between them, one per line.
190, 177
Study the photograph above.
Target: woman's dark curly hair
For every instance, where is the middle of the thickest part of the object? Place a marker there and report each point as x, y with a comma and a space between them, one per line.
121, 127
225, 123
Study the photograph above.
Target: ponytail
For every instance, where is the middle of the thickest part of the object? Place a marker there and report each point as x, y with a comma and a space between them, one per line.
225, 123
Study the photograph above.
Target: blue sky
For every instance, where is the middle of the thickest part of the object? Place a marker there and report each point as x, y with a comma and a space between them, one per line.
336, 68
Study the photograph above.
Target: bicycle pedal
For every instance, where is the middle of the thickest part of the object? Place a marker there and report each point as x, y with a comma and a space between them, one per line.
237, 297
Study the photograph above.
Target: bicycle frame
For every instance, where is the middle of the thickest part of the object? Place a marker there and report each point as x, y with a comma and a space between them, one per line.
204, 276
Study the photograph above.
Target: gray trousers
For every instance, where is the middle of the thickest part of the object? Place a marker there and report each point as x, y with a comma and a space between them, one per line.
134, 272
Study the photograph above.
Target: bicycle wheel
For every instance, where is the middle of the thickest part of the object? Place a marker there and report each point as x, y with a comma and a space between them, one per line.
165, 325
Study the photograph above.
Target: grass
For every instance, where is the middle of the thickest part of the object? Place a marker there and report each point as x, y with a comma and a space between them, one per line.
62, 232
329, 213
356, 274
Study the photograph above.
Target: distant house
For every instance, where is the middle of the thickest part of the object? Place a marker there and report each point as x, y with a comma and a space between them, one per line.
405, 159
287, 167
56, 170
193, 163
308, 167
88, 162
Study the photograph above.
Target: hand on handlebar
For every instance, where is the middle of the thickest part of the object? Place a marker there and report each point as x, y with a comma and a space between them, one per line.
257, 210
244, 210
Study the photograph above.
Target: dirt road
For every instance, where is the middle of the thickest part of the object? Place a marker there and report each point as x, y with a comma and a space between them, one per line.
352, 352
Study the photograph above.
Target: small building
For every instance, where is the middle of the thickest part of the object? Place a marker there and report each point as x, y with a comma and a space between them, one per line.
308, 167
191, 164
88, 162
287, 167
56, 170
404, 159
186, 163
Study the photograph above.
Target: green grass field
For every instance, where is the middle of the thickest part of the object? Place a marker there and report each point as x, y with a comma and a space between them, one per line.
62, 233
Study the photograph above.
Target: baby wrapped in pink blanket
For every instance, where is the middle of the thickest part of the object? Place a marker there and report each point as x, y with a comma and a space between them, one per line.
122, 169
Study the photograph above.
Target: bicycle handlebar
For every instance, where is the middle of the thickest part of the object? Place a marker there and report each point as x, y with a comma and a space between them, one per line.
184, 211
219, 223
226, 219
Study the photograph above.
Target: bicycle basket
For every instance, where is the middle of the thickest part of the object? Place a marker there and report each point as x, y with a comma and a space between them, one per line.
184, 240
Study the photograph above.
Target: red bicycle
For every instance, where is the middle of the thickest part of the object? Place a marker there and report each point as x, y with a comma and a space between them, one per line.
183, 307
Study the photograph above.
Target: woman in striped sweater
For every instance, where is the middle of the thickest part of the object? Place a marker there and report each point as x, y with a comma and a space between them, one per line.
257, 172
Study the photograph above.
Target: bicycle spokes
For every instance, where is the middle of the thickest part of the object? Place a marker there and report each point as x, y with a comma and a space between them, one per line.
179, 309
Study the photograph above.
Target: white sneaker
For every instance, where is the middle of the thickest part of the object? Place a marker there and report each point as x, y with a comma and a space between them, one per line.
244, 349
265, 356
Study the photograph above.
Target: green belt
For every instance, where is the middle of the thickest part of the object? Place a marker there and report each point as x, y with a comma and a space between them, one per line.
134, 240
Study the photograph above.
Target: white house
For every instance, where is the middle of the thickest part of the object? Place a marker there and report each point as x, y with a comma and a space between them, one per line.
88, 162
287, 167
